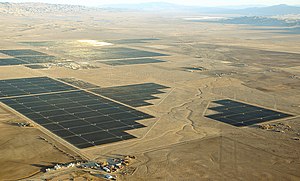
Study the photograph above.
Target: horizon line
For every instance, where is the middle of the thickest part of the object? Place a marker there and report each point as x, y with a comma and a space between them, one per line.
131, 3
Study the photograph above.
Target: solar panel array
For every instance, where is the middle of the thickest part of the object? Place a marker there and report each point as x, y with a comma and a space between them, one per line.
38, 59
40, 43
240, 114
11, 61
79, 117
22, 52
132, 61
25, 56
134, 95
29, 86
36, 66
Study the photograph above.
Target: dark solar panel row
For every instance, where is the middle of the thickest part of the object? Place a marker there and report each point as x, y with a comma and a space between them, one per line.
241, 114
11, 61
40, 43
132, 61
28, 86
25, 56
21, 52
37, 59
81, 118
133, 95
36, 66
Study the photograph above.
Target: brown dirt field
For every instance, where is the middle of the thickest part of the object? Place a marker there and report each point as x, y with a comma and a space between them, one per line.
22, 152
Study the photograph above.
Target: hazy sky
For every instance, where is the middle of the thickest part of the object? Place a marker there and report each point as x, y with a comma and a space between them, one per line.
185, 2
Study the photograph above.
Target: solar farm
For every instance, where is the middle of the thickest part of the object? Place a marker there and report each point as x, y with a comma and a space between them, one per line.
84, 116
87, 115
116, 56
79, 117
25, 56
240, 114
133, 96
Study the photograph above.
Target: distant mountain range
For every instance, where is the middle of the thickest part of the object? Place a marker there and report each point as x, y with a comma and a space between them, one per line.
261, 21
281, 9
145, 6
43, 8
